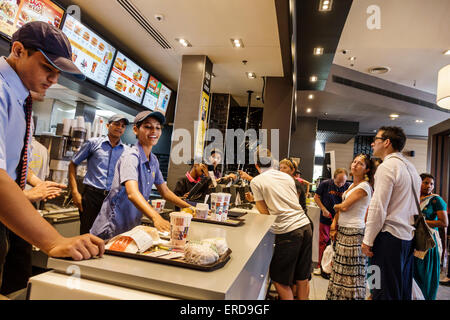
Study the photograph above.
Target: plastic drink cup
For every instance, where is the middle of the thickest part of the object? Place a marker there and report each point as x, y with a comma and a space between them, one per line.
202, 210
179, 227
158, 204
219, 206
226, 206
213, 205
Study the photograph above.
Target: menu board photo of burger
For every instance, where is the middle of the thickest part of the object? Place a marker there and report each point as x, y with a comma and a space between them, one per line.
15, 13
152, 94
90, 53
127, 78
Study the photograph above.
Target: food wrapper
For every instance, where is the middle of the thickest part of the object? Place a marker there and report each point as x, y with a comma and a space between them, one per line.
220, 244
137, 240
200, 253
189, 210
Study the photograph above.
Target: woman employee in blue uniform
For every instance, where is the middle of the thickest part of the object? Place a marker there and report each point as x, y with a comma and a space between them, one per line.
136, 171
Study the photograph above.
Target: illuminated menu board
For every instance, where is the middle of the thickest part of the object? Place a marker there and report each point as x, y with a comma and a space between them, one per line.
157, 96
152, 94
163, 100
90, 53
127, 78
15, 13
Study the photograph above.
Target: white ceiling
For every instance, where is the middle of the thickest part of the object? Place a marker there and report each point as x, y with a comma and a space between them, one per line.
208, 25
411, 41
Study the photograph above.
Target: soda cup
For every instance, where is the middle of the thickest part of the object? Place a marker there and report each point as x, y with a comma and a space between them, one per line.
179, 227
220, 197
158, 204
226, 206
201, 211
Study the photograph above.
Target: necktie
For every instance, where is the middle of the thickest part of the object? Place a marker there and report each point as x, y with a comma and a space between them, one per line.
22, 168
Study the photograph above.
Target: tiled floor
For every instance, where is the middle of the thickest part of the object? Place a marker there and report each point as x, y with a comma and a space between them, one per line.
319, 286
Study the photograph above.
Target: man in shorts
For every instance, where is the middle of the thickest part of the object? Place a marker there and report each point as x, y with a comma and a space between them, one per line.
275, 194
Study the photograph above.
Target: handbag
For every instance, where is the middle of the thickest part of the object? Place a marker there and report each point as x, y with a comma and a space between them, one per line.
423, 236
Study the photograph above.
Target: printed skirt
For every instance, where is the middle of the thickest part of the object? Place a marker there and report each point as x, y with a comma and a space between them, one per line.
348, 276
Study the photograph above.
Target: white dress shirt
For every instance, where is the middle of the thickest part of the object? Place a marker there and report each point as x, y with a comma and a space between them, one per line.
393, 207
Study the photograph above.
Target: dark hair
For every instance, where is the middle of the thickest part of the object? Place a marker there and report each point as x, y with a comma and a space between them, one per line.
339, 171
263, 157
371, 165
30, 50
396, 136
423, 176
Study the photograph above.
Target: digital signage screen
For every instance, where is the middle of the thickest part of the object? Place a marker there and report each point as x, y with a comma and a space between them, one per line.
90, 53
127, 78
157, 96
15, 13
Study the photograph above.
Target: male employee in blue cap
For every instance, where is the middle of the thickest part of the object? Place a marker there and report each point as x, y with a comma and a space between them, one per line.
39, 53
102, 155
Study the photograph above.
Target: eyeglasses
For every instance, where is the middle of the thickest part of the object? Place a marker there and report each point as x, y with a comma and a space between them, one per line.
375, 138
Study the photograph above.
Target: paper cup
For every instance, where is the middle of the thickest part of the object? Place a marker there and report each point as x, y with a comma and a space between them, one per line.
179, 227
201, 211
226, 206
158, 204
220, 197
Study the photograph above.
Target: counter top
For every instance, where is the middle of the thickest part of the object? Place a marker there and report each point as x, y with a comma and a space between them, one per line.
251, 246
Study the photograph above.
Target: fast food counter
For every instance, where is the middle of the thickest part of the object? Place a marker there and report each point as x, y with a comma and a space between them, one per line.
244, 276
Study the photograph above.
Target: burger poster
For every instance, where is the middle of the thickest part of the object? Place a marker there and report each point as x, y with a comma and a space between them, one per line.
152, 94
163, 100
90, 53
15, 13
127, 78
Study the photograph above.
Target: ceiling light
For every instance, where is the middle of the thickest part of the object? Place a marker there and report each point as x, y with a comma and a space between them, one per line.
378, 70
237, 43
443, 88
419, 121
318, 51
308, 110
313, 78
352, 58
394, 116
325, 5
311, 96
447, 53
213, 75
251, 75
184, 42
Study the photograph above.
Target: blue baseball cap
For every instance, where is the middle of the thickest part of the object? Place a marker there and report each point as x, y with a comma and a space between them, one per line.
52, 43
141, 116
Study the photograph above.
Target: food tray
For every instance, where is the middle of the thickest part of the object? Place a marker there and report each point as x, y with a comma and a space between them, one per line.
236, 214
236, 221
223, 259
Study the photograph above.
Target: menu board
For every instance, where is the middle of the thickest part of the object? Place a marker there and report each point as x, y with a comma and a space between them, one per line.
15, 13
157, 96
152, 94
127, 78
90, 53
163, 100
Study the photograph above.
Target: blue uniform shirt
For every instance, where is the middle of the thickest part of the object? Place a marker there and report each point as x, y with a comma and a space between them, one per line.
118, 214
330, 194
12, 118
101, 161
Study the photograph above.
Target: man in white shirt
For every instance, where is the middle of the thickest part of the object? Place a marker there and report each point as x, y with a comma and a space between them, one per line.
389, 228
275, 194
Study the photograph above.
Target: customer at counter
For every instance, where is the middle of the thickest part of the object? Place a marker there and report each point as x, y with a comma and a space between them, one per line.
190, 179
39, 52
215, 161
328, 194
102, 155
136, 172
275, 194
288, 166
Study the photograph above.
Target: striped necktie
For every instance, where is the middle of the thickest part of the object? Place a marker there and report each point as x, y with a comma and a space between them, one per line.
22, 167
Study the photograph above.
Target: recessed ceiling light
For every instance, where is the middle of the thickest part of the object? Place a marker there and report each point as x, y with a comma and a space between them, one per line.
311, 96
447, 52
394, 116
318, 51
325, 5
237, 43
313, 78
251, 75
184, 42
213, 75
419, 121
308, 110
352, 58
379, 70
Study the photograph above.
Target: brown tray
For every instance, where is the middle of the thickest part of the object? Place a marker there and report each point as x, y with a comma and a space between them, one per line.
239, 222
223, 259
